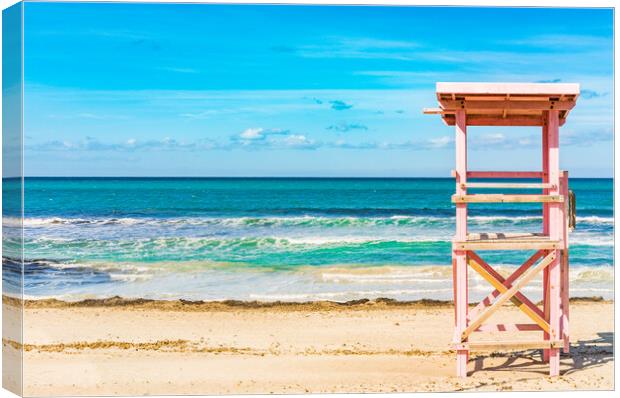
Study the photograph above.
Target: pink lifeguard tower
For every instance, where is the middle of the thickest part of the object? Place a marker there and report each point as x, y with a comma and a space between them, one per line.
512, 104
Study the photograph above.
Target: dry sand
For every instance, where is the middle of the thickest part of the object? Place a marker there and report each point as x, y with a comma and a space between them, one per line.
116, 347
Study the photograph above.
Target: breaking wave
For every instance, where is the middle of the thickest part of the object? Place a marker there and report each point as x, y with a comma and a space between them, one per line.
296, 221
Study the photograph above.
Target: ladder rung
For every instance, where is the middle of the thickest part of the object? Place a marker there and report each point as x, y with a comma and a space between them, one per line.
502, 198
502, 345
508, 185
508, 327
502, 174
508, 245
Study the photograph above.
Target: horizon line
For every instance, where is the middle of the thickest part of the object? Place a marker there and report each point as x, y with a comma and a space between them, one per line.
257, 177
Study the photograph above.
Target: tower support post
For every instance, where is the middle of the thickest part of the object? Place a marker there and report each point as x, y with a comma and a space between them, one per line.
460, 256
545, 226
555, 233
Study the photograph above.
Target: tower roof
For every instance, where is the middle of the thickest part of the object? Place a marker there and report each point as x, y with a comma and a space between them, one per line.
504, 104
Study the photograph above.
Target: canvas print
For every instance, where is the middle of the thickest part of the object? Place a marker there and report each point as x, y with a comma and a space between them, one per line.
244, 198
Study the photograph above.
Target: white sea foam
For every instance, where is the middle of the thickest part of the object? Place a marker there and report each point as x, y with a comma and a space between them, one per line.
491, 219
290, 221
330, 240
591, 240
130, 277
349, 294
595, 220
370, 279
208, 281
185, 243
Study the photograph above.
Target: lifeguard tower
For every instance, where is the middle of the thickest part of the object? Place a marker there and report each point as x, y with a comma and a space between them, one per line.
511, 104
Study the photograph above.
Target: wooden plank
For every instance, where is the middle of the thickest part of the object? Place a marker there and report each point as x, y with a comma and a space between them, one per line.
510, 120
506, 241
516, 98
507, 185
508, 345
509, 327
435, 111
503, 89
504, 174
486, 236
507, 105
502, 298
503, 198
498, 282
513, 277
515, 245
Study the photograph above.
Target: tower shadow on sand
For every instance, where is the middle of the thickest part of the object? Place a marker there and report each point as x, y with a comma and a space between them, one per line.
583, 354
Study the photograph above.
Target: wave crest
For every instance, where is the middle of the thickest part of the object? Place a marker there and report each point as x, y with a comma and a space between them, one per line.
292, 221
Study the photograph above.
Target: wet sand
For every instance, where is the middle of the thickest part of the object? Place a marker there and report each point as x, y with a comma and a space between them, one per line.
125, 347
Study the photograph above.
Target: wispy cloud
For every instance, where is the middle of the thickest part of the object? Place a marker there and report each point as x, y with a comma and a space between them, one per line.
345, 127
249, 139
413, 145
583, 138
440, 142
274, 139
299, 141
495, 141
561, 41
589, 94
178, 69
354, 48
556, 80
87, 115
130, 145
102, 33
339, 105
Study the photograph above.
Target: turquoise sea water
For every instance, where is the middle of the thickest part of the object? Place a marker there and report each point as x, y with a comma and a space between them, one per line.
276, 239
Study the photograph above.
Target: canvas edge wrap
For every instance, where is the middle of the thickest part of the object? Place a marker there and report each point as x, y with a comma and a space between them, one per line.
12, 197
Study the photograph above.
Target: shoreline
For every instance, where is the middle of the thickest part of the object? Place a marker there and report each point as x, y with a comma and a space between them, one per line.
380, 303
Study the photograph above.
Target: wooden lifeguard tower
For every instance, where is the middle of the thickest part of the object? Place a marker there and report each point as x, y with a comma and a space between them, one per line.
511, 104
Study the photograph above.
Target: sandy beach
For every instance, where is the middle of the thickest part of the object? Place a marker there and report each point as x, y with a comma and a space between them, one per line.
120, 347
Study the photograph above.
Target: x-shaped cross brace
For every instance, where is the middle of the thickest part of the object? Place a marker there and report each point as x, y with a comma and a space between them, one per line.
505, 290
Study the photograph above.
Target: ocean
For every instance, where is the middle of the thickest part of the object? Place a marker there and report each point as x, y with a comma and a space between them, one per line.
269, 239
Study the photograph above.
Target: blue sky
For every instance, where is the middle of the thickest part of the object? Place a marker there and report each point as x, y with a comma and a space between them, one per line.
220, 90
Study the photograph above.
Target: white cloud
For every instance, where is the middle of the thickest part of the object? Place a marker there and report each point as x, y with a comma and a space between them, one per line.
252, 134
299, 141
440, 142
